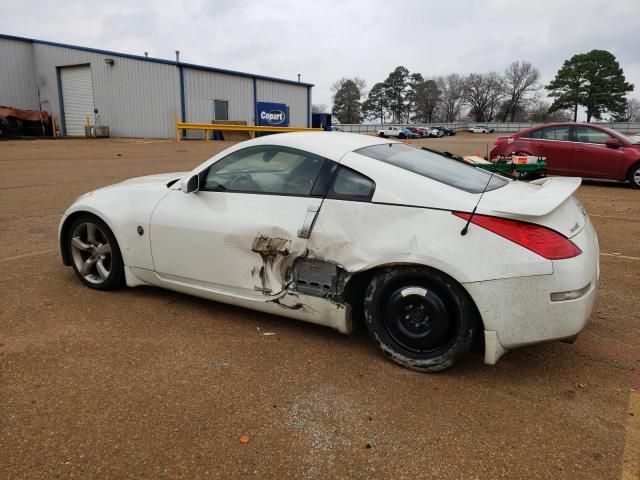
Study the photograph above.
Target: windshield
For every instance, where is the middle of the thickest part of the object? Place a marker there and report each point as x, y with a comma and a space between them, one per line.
435, 166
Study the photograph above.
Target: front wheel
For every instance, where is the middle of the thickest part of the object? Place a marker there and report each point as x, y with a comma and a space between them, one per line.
95, 254
634, 176
422, 319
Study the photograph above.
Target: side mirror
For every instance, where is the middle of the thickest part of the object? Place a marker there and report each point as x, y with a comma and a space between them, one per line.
613, 143
190, 184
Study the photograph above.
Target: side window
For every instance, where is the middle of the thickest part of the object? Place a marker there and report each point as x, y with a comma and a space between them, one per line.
591, 135
556, 133
535, 134
351, 185
265, 169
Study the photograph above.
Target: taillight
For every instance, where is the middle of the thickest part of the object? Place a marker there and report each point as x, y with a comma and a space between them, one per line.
541, 240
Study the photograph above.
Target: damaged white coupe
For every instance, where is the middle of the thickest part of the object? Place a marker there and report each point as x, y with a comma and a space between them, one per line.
429, 253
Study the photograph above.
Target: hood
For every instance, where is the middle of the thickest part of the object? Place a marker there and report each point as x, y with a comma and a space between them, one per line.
160, 178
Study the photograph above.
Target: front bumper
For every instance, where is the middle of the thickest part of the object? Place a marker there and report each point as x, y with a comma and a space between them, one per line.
519, 311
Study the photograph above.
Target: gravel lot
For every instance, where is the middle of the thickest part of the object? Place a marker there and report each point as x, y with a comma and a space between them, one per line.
145, 383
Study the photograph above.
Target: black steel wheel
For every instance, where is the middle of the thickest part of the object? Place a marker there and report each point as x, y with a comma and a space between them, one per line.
421, 318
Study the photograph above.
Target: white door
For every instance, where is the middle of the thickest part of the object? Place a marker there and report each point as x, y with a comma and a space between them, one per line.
77, 98
242, 231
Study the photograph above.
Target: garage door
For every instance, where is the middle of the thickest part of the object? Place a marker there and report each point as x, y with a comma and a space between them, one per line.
77, 98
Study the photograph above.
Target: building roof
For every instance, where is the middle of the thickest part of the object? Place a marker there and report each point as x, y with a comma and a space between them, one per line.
155, 60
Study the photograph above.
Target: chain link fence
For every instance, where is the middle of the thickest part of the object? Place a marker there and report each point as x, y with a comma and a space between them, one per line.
500, 127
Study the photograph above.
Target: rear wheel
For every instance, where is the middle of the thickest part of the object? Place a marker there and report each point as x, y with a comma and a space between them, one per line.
634, 176
421, 318
95, 254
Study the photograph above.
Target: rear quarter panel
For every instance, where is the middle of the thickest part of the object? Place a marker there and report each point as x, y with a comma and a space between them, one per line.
361, 235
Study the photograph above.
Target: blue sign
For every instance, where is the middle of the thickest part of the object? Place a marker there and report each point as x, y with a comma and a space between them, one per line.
272, 114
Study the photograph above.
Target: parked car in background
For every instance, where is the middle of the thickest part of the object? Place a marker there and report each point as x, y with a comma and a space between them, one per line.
390, 132
481, 129
435, 133
408, 133
446, 131
424, 132
420, 133
578, 149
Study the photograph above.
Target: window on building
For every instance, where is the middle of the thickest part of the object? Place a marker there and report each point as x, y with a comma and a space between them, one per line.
221, 110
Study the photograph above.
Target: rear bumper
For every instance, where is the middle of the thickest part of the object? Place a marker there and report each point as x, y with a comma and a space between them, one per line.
519, 311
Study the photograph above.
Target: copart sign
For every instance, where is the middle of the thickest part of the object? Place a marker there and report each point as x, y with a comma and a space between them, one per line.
272, 114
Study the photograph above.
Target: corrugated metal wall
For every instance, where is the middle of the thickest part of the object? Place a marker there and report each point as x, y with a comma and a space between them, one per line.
135, 98
202, 88
295, 96
17, 75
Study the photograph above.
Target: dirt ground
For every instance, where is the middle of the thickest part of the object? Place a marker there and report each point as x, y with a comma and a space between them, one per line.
145, 383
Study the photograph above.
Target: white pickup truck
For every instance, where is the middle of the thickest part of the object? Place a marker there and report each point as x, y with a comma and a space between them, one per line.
390, 132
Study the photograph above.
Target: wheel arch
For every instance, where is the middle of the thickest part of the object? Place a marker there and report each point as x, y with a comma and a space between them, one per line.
627, 176
65, 231
355, 287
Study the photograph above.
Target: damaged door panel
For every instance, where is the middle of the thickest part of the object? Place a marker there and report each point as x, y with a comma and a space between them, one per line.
239, 244
276, 262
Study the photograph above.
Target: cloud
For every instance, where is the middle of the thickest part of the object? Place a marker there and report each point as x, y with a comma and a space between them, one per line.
326, 40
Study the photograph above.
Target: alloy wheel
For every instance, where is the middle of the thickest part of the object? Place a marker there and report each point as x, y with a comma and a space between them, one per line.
91, 253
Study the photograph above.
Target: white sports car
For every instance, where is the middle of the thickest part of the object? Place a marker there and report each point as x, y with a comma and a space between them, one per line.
337, 229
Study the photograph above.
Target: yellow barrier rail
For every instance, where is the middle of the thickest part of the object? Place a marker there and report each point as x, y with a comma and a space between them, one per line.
209, 127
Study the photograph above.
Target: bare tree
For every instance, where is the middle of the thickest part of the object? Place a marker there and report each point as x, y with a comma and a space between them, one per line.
451, 89
539, 112
320, 108
520, 79
483, 92
631, 112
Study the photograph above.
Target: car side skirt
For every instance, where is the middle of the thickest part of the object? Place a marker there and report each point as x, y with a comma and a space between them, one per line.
296, 305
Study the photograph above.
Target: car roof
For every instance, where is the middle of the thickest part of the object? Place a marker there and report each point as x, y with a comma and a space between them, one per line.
564, 124
331, 145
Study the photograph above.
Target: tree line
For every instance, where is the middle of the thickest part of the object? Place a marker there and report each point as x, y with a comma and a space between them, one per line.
593, 80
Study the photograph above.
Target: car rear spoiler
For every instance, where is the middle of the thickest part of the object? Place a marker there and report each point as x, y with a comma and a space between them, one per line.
553, 192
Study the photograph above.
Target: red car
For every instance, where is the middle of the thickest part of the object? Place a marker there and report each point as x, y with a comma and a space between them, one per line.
578, 149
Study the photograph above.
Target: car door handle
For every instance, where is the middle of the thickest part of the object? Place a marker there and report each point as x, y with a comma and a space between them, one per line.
307, 224
540, 145
579, 150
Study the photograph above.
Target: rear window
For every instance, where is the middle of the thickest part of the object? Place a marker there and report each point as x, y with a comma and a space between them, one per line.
435, 166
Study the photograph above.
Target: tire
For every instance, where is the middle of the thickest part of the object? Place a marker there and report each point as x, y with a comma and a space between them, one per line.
381, 135
402, 135
634, 176
95, 254
421, 318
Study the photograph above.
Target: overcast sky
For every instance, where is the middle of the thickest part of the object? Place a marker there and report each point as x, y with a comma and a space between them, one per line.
325, 40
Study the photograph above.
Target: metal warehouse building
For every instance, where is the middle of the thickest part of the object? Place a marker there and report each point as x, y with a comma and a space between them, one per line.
136, 96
